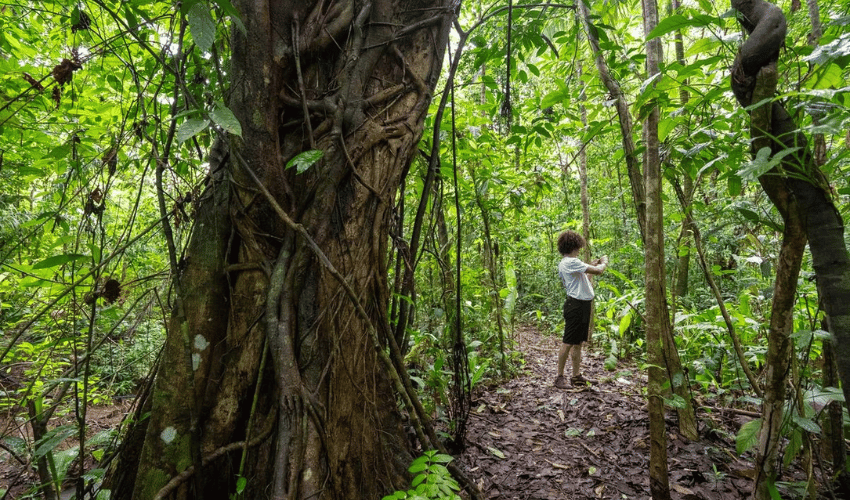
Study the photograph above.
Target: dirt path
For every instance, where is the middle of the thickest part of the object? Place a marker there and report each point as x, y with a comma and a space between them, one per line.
529, 440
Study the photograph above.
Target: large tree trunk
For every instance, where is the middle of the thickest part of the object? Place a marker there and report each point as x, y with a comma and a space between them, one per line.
822, 221
319, 420
804, 200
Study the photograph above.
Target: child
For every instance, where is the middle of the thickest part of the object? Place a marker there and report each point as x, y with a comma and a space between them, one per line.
573, 273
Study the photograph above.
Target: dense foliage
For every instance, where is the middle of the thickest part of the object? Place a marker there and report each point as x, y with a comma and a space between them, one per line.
98, 160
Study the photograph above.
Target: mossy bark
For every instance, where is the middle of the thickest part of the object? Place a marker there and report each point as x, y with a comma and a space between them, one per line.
353, 80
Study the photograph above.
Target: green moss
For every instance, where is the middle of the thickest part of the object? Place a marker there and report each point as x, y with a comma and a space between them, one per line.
151, 481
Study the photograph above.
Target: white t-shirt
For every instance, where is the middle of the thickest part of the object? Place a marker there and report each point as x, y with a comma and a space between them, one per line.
575, 280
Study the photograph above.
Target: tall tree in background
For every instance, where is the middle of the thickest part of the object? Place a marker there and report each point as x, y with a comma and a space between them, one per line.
671, 360
289, 264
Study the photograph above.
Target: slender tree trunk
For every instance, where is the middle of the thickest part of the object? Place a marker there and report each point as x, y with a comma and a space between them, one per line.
585, 201
294, 264
687, 417
834, 431
38, 423
684, 263
490, 263
657, 318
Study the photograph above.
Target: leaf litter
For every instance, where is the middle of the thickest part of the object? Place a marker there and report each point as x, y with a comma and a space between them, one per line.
528, 440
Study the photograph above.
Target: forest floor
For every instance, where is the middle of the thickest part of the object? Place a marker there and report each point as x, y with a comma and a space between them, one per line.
528, 440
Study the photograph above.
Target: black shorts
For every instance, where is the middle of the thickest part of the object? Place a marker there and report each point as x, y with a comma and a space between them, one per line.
576, 320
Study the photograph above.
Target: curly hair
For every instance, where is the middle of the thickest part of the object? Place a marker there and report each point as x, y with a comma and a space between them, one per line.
569, 241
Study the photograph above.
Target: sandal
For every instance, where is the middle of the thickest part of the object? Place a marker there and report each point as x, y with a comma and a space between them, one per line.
561, 382
580, 380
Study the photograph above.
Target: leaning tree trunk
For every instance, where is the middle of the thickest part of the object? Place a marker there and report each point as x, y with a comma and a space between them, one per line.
795, 185
263, 276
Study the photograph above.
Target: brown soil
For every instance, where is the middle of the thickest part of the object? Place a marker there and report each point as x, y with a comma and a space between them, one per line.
528, 440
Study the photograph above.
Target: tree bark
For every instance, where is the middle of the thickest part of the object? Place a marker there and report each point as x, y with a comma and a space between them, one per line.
298, 260
797, 171
684, 264
657, 318
801, 193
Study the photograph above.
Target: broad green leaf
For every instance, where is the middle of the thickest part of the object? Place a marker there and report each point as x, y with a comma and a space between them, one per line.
763, 162
754, 217
58, 260
747, 436
496, 452
625, 323
807, 424
52, 439
675, 401
191, 128
417, 467
824, 396
202, 26
115, 83
63, 460
305, 160
829, 76
679, 22
794, 446
734, 185
225, 119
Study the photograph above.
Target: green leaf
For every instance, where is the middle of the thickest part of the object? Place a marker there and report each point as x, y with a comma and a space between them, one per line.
625, 323
115, 83
202, 26
675, 401
63, 460
417, 467
224, 118
747, 436
241, 483
763, 162
190, 128
754, 217
305, 160
794, 446
806, 424
734, 184
58, 260
52, 439
678, 22
495, 452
